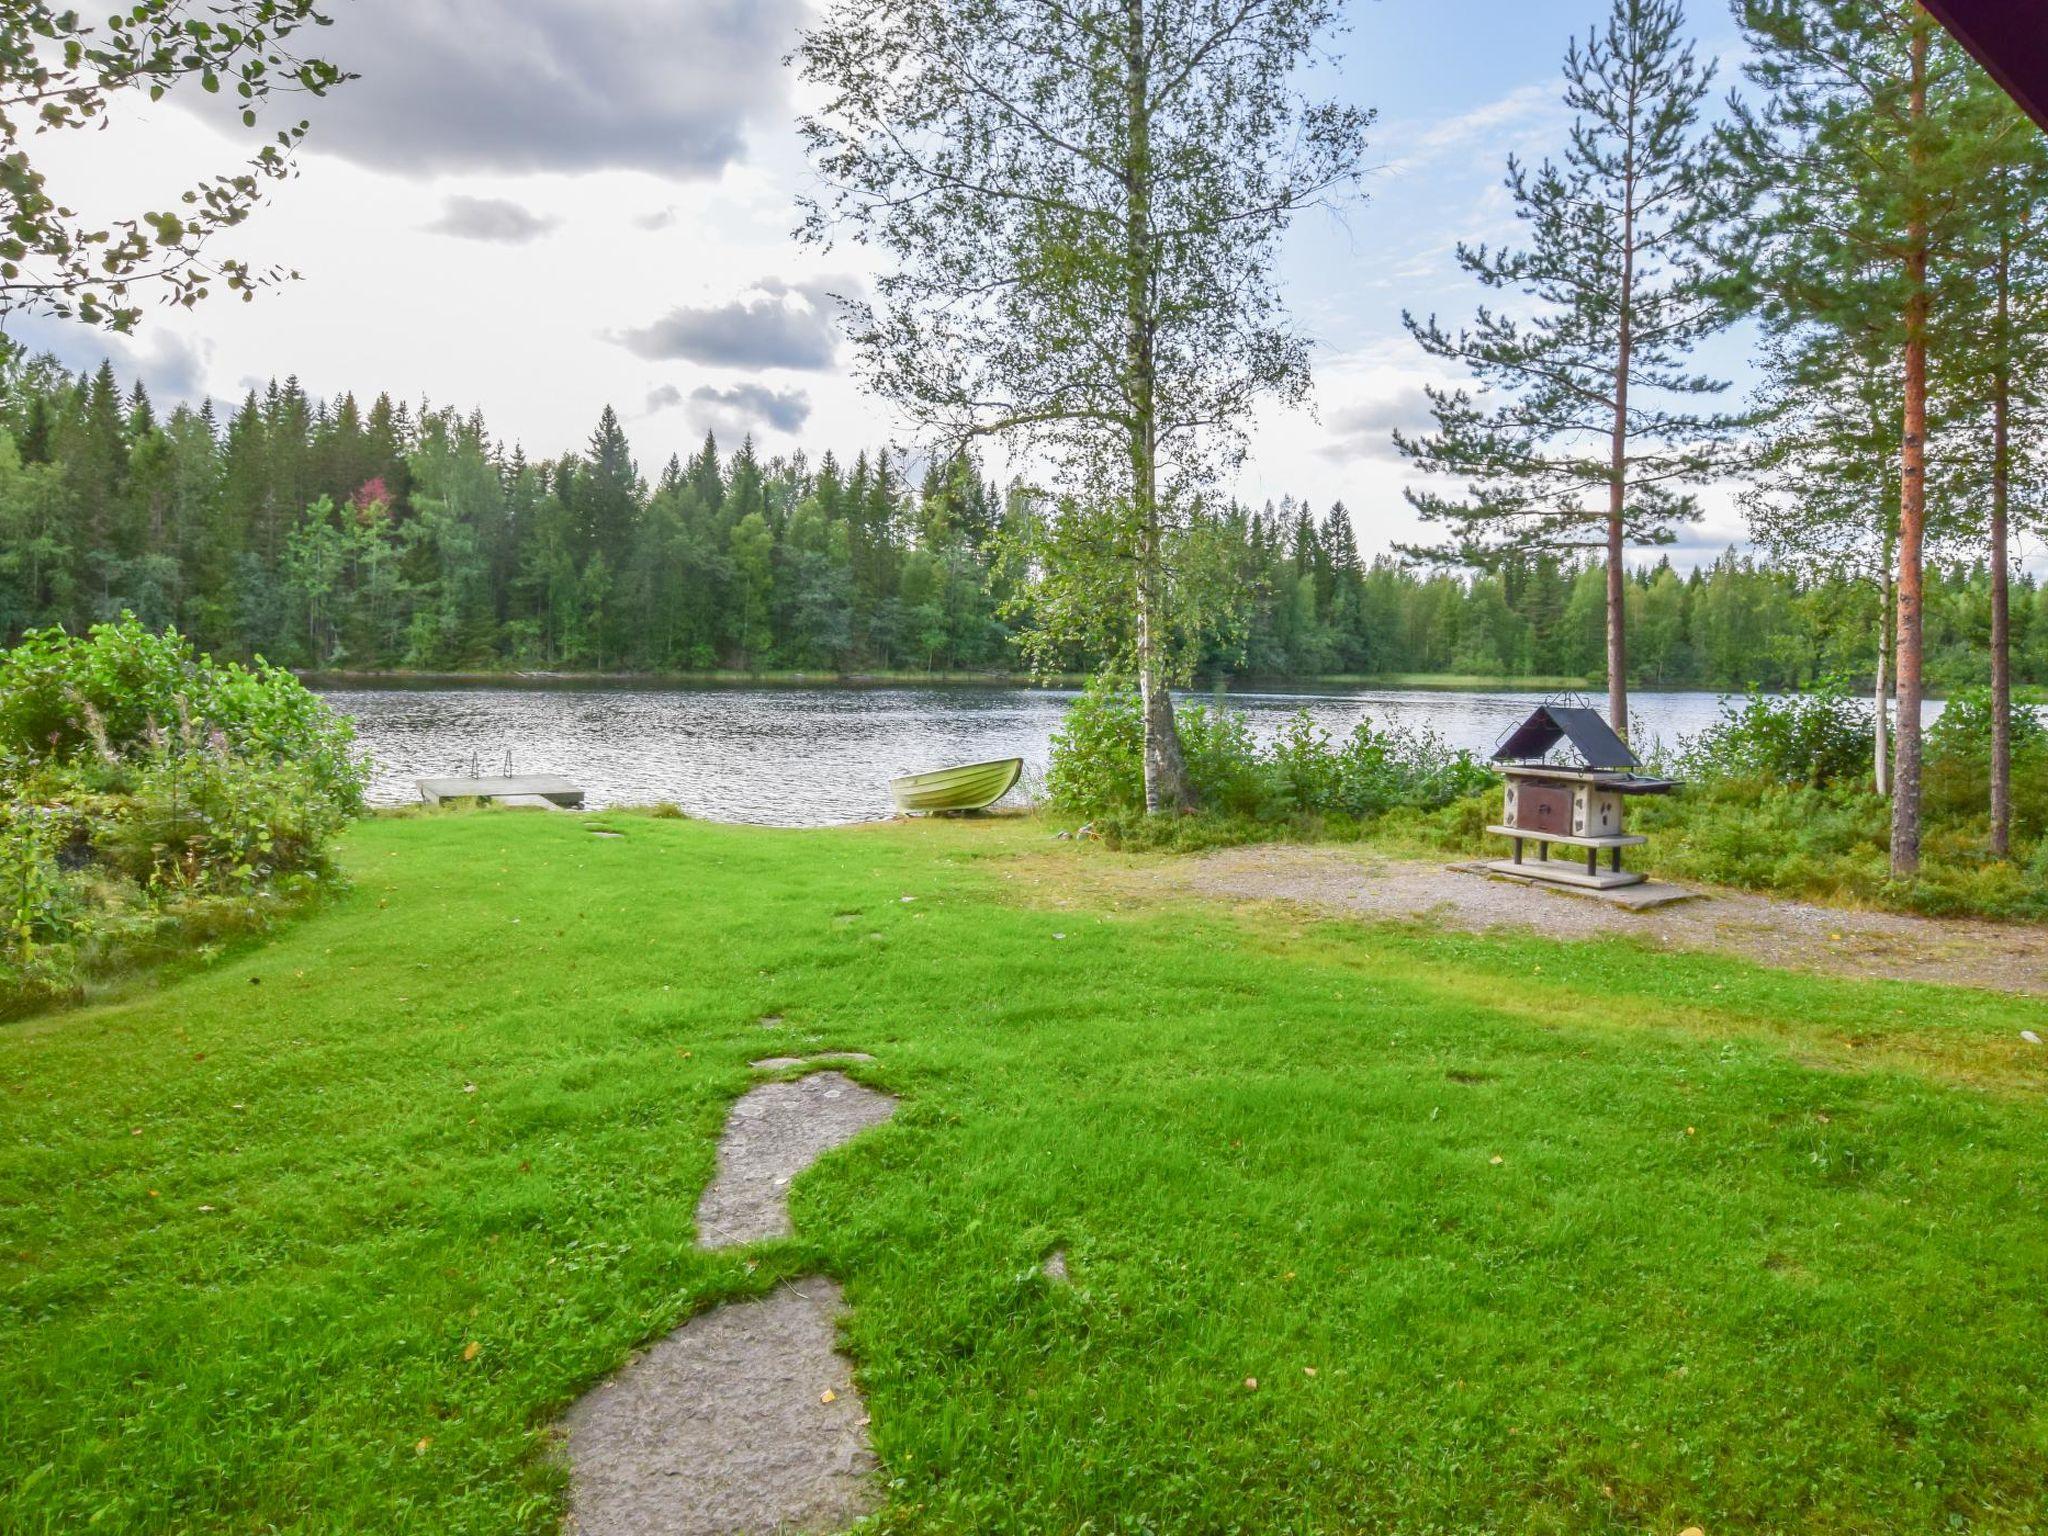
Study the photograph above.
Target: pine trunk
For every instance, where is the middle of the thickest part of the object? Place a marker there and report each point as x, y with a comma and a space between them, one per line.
1881, 767
1166, 779
1617, 470
1912, 505
2001, 597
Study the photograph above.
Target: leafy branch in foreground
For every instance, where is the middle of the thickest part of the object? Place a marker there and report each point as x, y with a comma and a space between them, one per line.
60, 72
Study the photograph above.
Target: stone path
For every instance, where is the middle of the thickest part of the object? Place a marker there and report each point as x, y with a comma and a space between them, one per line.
745, 1420
775, 1132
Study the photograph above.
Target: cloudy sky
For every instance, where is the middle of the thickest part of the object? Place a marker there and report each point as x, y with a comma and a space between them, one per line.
541, 207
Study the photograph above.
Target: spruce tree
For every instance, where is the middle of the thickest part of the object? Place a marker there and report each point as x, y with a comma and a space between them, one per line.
1594, 441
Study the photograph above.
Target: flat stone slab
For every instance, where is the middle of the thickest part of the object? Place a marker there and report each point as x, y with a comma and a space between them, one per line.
777, 1063
1641, 895
773, 1134
744, 1420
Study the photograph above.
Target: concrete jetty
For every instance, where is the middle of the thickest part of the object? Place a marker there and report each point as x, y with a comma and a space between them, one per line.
506, 789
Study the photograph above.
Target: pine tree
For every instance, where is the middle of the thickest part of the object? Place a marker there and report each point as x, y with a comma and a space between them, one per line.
2005, 381
1594, 443
1823, 481
1872, 130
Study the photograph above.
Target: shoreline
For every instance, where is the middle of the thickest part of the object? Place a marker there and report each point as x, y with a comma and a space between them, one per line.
1059, 682
538, 680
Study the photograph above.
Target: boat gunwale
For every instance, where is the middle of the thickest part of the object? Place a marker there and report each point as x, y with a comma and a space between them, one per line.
938, 783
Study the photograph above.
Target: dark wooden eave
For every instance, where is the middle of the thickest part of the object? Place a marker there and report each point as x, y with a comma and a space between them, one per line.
2010, 39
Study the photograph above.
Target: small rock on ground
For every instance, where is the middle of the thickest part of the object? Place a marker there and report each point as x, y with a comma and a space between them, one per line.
774, 1133
743, 1420
1055, 1266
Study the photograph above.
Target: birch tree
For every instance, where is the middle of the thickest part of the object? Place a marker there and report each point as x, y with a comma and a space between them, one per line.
1078, 203
1592, 446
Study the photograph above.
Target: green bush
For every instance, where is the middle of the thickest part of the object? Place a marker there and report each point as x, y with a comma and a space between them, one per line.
153, 799
1964, 729
122, 689
1098, 761
1817, 738
1298, 782
1223, 763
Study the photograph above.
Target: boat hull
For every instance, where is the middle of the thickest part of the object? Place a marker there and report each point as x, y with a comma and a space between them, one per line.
967, 787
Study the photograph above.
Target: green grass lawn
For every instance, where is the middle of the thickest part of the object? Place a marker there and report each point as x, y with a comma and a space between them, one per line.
1512, 1236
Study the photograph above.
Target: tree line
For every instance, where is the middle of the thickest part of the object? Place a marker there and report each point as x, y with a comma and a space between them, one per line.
330, 537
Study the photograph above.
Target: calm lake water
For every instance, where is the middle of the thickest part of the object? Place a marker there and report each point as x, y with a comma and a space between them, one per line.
816, 756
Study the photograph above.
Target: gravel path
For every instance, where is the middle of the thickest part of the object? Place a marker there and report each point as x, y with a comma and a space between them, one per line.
774, 1133
742, 1420
2005, 957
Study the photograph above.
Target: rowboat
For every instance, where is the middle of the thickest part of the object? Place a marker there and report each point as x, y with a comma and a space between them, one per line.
965, 787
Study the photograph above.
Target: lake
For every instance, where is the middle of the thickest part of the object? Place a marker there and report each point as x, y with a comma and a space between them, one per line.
819, 756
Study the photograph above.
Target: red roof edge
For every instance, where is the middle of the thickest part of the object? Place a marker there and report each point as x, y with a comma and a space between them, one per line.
2010, 39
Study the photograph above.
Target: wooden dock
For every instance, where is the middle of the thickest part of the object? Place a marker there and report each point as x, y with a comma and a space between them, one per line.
506, 789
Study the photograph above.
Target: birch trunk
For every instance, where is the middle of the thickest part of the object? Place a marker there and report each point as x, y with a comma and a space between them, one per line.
1166, 780
1881, 768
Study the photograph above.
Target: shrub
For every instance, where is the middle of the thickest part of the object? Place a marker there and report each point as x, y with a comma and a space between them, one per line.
37, 904
1223, 763
1247, 790
1823, 737
1964, 729
1957, 780
1098, 761
1381, 770
153, 798
122, 689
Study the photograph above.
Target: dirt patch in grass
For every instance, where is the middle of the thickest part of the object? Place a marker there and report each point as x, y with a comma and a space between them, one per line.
774, 1133
1796, 935
742, 1420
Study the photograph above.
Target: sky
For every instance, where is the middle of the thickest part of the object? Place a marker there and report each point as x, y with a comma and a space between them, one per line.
543, 207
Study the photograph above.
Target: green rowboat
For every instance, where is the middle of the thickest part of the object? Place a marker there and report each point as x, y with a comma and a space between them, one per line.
968, 787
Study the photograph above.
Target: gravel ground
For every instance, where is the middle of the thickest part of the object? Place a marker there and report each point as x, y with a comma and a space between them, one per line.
2004, 957
744, 1420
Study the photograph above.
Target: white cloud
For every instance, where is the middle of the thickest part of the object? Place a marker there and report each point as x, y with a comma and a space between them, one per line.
170, 366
